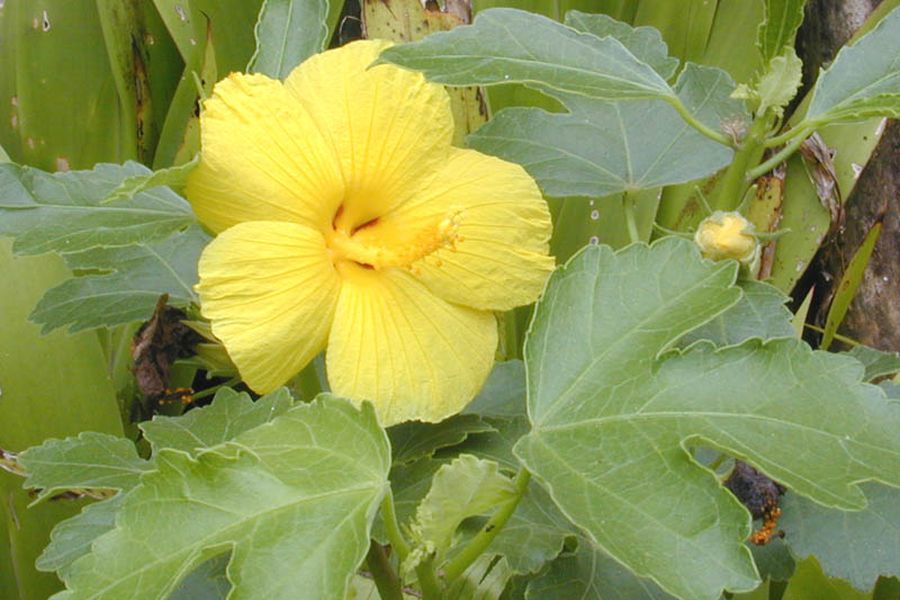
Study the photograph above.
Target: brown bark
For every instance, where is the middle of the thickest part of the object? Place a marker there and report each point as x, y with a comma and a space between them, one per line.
874, 316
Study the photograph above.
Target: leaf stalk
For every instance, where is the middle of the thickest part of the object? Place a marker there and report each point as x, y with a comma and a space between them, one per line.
776, 159
386, 579
476, 547
712, 134
392, 526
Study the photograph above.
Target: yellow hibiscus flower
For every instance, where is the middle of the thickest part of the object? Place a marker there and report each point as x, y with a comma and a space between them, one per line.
346, 221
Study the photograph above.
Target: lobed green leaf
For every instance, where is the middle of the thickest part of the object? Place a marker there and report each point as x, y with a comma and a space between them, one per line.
864, 79
292, 500
287, 33
778, 30
506, 45
612, 416
878, 363
64, 212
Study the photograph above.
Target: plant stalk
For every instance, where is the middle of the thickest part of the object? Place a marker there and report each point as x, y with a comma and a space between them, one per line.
730, 189
386, 579
428, 582
491, 529
716, 136
776, 159
628, 205
787, 136
392, 527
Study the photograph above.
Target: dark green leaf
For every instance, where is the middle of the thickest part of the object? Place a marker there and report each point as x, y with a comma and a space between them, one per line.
591, 573
414, 440
93, 461
610, 429
207, 582
858, 546
506, 45
503, 395
131, 281
287, 33
63, 212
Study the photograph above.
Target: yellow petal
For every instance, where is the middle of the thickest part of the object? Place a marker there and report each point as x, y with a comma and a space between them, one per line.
263, 158
412, 354
389, 127
270, 291
497, 256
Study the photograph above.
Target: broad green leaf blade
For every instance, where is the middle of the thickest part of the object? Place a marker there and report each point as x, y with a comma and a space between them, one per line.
602, 148
591, 573
810, 583
303, 488
414, 440
534, 534
172, 177
62, 212
608, 412
497, 445
877, 362
645, 43
466, 487
779, 84
72, 538
230, 414
287, 33
761, 313
132, 280
778, 30
503, 394
864, 79
94, 461
506, 45
858, 546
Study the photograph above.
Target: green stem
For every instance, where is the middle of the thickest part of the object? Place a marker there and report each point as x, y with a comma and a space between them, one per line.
841, 338
428, 582
717, 136
630, 221
491, 529
730, 189
803, 132
776, 159
392, 527
386, 579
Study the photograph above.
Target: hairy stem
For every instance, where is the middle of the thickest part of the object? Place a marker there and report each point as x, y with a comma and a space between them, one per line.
386, 579
491, 529
730, 189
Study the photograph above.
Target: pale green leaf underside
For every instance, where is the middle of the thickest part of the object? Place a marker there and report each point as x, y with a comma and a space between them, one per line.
858, 546
878, 363
760, 313
602, 148
130, 282
292, 499
230, 414
611, 421
90, 461
63, 212
864, 79
783, 19
645, 43
506, 45
287, 33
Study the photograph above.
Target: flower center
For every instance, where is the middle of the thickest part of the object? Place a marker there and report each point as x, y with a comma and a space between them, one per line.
375, 245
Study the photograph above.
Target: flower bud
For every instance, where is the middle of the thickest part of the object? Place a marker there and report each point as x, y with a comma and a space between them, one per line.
727, 235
